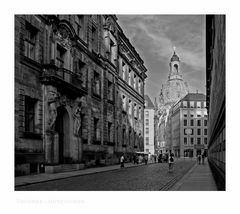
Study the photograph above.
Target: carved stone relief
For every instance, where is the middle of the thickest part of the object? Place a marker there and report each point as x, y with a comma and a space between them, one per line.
52, 96
77, 107
63, 37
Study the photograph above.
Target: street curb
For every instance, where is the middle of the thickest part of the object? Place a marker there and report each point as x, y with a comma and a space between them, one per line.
169, 185
71, 176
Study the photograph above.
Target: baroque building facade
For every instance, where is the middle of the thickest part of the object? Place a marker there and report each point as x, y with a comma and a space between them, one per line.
188, 126
79, 92
171, 92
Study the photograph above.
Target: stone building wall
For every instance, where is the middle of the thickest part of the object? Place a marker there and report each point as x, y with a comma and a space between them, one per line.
73, 79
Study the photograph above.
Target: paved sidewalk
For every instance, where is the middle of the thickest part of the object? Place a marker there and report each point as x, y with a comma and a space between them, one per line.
199, 178
43, 177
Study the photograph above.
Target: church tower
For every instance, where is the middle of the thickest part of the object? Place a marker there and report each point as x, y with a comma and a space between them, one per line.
175, 87
174, 65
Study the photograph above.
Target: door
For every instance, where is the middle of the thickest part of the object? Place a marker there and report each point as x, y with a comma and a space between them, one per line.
62, 128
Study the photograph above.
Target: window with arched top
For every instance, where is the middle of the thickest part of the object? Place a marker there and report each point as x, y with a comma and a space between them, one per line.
176, 67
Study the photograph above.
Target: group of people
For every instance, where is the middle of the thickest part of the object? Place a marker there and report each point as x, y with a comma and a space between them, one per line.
136, 160
201, 157
145, 159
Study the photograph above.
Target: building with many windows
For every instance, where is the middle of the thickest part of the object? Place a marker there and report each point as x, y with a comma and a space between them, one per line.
149, 132
79, 92
188, 126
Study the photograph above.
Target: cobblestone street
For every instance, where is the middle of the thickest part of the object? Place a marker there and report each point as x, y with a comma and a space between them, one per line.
144, 177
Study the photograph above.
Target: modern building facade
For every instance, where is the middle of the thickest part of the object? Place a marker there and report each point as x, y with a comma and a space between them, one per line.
79, 92
188, 126
171, 92
215, 81
149, 132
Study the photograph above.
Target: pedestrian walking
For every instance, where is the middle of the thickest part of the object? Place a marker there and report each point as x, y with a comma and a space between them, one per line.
170, 163
199, 158
203, 157
122, 161
146, 159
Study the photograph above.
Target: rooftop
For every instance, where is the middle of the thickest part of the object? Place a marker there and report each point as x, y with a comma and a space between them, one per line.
194, 97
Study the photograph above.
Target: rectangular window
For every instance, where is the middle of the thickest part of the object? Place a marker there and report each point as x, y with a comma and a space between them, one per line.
94, 38
135, 110
147, 122
134, 81
30, 114
139, 86
205, 131
191, 104
96, 129
191, 113
124, 102
184, 104
130, 107
198, 122
110, 134
205, 113
184, 113
130, 77
185, 140
124, 70
140, 113
198, 104
147, 140
199, 114
60, 58
96, 83
147, 130
110, 90
112, 51
191, 122
192, 140
146, 113
30, 42
205, 122
198, 131
198, 140
185, 122
205, 140
79, 21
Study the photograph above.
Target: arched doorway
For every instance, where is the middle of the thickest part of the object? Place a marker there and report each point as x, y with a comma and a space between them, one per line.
62, 128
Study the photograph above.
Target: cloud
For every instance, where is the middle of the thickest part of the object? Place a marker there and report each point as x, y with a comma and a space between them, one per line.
154, 36
161, 33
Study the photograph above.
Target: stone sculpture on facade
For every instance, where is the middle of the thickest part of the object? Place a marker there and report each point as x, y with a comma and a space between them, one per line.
77, 115
52, 109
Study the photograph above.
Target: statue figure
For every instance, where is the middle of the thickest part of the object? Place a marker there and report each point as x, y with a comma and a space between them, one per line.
77, 115
52, 109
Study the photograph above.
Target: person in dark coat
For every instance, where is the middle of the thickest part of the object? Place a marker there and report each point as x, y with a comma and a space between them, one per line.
199, 159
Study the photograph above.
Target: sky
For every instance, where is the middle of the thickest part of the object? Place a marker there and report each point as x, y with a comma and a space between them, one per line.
154, 37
